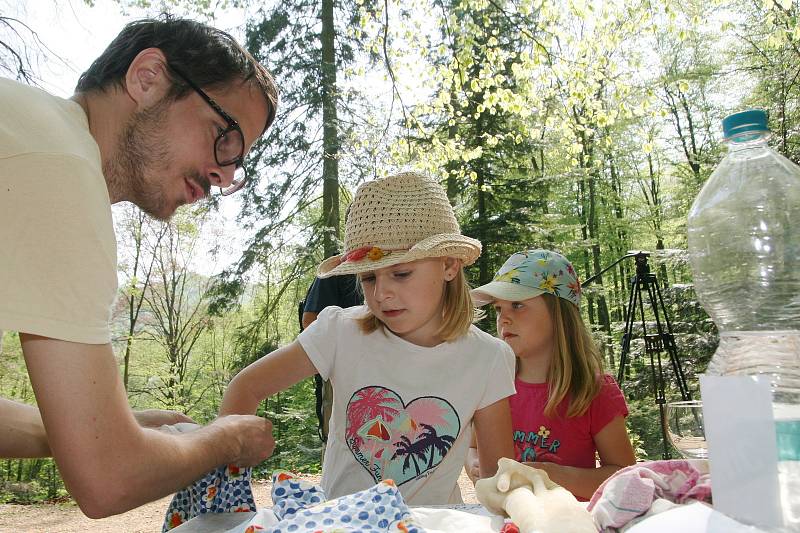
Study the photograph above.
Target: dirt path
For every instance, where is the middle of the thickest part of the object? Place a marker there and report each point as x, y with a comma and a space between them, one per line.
67, 518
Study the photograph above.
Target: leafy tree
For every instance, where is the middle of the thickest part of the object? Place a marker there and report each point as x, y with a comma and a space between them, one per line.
142, 238
475, 127
177, 314
769, 50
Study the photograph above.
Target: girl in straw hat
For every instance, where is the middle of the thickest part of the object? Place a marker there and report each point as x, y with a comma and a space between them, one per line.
411, 374
565, 409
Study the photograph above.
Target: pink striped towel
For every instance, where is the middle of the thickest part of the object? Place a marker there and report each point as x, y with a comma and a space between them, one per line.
649, 487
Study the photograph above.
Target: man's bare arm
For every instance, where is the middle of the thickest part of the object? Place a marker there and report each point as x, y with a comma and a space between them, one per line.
21, 431
108, 462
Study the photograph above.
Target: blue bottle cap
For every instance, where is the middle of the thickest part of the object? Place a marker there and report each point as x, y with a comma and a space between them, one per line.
752, 120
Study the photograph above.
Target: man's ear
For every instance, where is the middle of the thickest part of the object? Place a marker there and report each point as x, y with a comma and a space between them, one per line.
147, 80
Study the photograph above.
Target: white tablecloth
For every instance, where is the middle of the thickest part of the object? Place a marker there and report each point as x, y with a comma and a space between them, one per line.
693, 518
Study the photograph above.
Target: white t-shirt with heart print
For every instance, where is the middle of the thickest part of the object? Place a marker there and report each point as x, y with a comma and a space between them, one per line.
402, 411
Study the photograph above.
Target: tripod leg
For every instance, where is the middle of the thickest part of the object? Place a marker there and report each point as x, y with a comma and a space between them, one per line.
666, 342
656, 379
628, 333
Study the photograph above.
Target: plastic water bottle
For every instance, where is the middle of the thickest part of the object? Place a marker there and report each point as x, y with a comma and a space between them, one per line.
744, 245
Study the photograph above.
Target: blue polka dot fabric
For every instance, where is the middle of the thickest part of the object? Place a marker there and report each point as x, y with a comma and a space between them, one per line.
291, 494
224, 490
300, 506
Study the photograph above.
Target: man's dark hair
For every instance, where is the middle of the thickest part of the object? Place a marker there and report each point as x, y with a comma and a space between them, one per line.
207, 56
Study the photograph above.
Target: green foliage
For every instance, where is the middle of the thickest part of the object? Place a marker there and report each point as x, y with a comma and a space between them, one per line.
644, 421
23, 480
27, 481
772, 51
636, 442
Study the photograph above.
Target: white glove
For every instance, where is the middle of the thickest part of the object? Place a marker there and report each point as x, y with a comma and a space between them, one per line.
532, 501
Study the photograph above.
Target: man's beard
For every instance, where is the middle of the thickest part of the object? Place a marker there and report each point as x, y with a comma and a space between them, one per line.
143, 147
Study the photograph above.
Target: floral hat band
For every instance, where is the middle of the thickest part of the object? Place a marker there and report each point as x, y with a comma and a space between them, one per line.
373, 253
529, 274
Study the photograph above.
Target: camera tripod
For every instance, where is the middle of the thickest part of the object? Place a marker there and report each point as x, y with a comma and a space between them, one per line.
660, 341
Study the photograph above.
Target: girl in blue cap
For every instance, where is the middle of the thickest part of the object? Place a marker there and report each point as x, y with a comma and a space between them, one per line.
566, 410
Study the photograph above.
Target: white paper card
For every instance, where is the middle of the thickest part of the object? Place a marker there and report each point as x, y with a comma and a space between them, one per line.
742, 452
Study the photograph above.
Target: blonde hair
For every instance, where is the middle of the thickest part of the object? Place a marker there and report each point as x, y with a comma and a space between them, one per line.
577, 365
457, 311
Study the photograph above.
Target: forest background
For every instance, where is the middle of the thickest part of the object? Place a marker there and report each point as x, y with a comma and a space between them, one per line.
586, 127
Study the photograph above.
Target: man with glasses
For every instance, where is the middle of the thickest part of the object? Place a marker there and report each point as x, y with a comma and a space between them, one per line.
165, 114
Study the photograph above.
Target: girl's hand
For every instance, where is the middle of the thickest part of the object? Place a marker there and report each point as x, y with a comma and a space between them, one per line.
472, 464
552, 469
154, 418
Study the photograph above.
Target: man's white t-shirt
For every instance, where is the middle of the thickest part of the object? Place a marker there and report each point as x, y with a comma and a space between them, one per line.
58, 252
402, 411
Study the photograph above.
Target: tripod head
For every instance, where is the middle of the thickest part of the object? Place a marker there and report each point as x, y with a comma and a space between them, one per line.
642, 266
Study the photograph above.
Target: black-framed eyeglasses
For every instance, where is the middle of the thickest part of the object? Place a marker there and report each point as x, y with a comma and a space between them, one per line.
229, 144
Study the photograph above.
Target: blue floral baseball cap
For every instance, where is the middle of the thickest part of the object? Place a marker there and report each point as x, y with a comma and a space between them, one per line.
529, 274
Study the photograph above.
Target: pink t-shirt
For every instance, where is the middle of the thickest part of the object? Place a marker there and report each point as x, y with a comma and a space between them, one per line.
566, 441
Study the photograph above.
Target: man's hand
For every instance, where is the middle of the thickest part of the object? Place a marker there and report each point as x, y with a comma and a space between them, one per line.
252, 435
109, 463
155, 418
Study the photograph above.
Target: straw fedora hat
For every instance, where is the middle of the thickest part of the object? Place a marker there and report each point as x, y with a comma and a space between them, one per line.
398, 219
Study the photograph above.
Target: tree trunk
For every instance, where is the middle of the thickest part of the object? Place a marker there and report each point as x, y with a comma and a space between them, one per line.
602, 307
581, 201
484, 274
330, 138
452, 165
